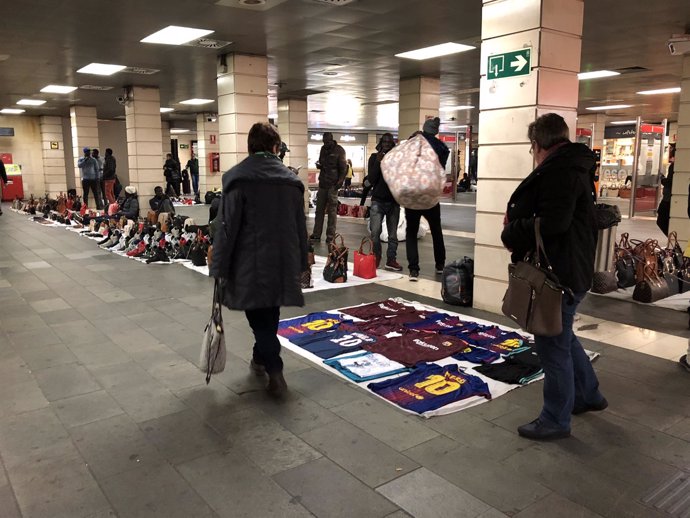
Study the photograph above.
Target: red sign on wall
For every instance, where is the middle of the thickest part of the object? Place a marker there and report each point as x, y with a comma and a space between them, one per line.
212, 139
6, 158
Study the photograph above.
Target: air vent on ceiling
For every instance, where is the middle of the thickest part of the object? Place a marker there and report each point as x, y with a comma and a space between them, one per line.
96, 87
331, 2
629, 70
141, 71
208, 43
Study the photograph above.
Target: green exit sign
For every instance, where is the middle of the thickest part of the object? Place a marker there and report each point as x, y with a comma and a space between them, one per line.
510, 64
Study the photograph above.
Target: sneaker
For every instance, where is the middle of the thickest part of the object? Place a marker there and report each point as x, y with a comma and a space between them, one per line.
581, 409
257, 368
393, 266
439, 269
683, 362
414, 276
538, 430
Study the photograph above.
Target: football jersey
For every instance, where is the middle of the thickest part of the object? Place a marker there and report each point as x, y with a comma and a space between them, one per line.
384, 308
443, 323
366, 366
383, 325
494, 339
326, 344
413, 347
476, 355
431, 386
309, 324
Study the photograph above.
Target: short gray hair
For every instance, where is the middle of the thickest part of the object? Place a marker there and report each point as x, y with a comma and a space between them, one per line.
548, 130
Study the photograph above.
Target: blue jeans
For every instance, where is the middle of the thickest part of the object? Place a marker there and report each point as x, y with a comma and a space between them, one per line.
195, 183
391, 211
569, 377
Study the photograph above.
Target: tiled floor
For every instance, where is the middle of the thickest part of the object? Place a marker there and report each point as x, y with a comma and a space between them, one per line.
104, 413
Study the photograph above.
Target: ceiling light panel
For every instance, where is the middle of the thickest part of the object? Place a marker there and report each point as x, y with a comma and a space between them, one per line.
176, 35
178, 130
58, 89
31, 102
101, 69
611, 107
624, 122
673, 90
435, 51
596, 74
12, 111
166, 110
197, 102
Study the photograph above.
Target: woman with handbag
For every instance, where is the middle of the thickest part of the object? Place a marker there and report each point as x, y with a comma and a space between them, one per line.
260, 246
560, 193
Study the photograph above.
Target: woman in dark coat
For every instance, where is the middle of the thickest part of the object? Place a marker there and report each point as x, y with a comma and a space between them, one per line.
260, 246
560, 193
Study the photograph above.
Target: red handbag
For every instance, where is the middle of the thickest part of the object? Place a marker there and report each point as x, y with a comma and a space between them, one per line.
365, 263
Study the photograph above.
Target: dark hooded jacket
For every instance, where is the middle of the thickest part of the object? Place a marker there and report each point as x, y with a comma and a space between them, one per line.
260, 245
560, 192
333, 165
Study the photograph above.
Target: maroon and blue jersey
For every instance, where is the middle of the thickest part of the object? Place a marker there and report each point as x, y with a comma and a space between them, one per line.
383, 325
495, 339
414, 347
474, 354
327, 344
442, 323
383, 308
309, 324
431, 386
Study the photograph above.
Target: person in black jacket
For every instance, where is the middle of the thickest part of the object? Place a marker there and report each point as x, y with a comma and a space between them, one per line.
129, 208
173, 176
560, 193
432, 215
160, 202
109, 173
663, 212
260, 247
333, 169
383, 205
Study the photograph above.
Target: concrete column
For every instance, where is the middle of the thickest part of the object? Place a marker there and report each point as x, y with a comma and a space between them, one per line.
419, 101
53, 146
84, 125
144, 140
242, 101
165, 137
207, 143
292, 126
553, 29
681, 177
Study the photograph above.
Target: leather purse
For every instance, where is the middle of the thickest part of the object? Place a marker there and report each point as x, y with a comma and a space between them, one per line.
364, 262
534, 295
651, 288
213, 351
306, 281
604, 282
624, 263
335, 270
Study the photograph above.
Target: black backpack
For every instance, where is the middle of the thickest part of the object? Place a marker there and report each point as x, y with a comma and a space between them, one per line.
456, 285
210, 196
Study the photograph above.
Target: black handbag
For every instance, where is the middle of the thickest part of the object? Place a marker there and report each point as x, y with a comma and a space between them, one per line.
534, 295
625, 268
669, 274
335, 270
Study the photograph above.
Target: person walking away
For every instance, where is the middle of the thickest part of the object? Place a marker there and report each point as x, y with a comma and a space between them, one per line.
3, 180
101, 186
193, 168
88, 170
559, 192
109, 173
663, 212
260, 247
383, 205
173, 176
432, 215
348, 175
333, 169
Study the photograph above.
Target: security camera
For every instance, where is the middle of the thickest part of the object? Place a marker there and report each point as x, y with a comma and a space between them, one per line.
121, 99
679, 44
211, 118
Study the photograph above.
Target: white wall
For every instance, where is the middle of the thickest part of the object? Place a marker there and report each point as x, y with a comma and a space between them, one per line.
26, 150
113, 134
69, 159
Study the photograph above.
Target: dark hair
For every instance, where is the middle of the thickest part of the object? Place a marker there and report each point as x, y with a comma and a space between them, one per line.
548, 130
386, 136
262, 137
108, 151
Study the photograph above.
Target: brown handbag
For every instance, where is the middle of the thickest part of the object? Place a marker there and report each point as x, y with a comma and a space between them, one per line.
534, 295
651, 288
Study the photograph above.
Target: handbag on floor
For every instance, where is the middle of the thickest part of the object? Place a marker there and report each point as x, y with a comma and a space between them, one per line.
213, 351
604, 282
534, 295
651, 288
364, 262
306, 281
335, 270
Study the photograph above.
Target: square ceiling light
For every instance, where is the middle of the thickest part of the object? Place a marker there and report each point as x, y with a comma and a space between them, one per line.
596, 74
58, 89
175, 131
176, 35
166, 110
611, 107
101, 69
673, 90
30, 102
12, 111
435, 51
196, 102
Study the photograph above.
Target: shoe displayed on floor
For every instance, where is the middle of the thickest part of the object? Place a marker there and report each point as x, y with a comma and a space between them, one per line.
581, 409
683, 362
439, 269
277, 387
257, 368
393, 266
414, 276
538, 430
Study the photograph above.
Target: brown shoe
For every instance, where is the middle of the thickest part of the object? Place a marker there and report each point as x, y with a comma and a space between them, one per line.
277, 387
257, 368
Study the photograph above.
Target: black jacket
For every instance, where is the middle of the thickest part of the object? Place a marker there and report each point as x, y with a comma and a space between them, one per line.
441, 149
3, 172
161, 205
332, 166
171, 169
130, 207
260, 246
560, 192
381, 192
109, 166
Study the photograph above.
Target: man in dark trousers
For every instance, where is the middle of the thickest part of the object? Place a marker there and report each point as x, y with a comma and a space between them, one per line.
332, 165
260, 247
89, 171
193, 168
432, 215
173, 175
560, 192
109, 174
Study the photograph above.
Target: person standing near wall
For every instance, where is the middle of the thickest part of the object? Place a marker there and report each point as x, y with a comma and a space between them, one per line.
193, 168
109, 174
88, 170
173, 176
101, 185
332, 165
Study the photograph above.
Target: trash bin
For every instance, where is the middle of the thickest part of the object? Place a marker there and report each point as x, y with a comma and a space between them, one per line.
606, 242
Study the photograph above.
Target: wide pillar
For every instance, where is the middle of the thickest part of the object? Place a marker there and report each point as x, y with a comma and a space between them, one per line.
419, 101
242, 101
207, 145
84, 125
292, 126
165, 137
144, 141
553, 31
53, 147
681, 178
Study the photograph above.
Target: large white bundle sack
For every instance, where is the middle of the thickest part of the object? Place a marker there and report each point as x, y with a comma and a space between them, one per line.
414, 174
